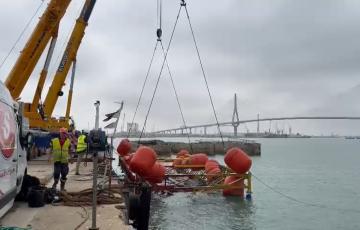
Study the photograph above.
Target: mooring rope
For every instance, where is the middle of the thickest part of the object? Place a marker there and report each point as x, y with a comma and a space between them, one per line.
87, 216
317, 205
111, 195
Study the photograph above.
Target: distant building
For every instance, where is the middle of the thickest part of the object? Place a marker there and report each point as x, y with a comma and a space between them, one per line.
134, 127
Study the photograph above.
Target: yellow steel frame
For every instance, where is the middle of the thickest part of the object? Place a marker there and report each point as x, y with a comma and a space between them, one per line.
216, 185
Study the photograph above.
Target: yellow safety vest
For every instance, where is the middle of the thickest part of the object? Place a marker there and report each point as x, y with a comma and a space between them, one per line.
81, 145
60, 153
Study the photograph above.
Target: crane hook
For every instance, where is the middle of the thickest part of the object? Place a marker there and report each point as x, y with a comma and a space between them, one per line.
159, 33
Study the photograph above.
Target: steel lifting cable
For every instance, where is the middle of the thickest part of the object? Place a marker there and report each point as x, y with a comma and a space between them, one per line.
159, 13
21, 34
183, 3
143, 87
159, 33
303, 202
177, 97
159, 76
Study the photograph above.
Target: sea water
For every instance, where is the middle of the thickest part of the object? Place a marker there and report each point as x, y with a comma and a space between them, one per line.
304, 183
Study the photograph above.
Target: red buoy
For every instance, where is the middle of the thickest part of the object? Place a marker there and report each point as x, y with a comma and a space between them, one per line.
156, 174
237, 160
124, 147
234, 181
211, 164
143, 160
213, 173
198, 159
183, 153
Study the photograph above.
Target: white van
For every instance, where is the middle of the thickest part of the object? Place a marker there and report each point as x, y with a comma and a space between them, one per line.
13, 162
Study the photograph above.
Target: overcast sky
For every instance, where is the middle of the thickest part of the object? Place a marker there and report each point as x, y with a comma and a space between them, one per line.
282, 58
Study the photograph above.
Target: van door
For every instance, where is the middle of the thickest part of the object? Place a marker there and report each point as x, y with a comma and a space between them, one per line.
8, 156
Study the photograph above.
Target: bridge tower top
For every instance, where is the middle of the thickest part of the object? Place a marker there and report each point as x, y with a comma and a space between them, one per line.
235, 117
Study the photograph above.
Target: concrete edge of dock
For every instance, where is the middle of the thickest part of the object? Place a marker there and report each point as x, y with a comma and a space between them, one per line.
252, 148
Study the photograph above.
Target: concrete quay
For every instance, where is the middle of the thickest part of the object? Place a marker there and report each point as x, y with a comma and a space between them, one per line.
163, 148
58, 217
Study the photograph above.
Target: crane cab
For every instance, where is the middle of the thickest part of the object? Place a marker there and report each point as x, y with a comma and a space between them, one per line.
13, 162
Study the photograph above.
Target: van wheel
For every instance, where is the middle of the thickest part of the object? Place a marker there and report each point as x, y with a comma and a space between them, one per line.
27, 183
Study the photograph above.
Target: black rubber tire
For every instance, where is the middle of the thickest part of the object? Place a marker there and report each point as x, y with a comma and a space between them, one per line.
133, 207
142, 219
36, 197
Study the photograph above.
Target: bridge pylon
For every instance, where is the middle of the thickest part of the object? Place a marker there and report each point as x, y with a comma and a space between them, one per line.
235, 118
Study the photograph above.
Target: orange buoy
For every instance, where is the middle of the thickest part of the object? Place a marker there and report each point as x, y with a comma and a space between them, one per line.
211, 164
237, 160
183, 153
124, 147
198, 159
143, 160
156, 174
234, 181
213, 173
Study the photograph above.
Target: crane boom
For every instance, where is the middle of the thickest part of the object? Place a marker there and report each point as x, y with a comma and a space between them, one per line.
43, 74
35, 46
68, 58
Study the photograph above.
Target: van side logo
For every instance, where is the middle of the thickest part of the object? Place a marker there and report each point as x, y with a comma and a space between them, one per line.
7, 131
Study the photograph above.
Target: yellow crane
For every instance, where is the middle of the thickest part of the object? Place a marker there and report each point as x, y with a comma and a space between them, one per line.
68, 59
45, 30
39, 114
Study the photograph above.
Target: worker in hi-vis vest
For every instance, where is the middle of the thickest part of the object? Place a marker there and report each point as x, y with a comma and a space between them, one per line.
60, 148
81, 149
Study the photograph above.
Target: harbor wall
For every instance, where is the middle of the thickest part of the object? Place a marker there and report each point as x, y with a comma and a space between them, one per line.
163, 148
